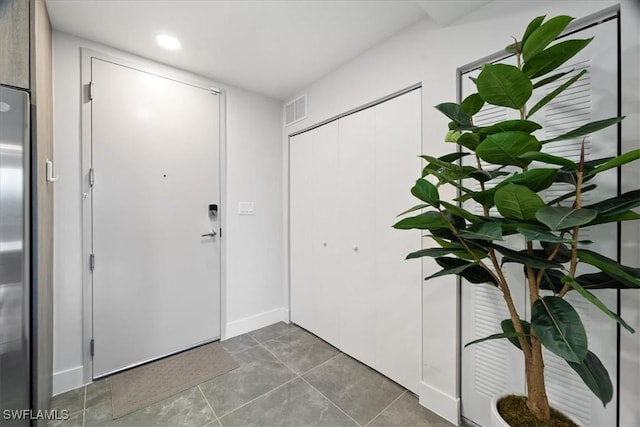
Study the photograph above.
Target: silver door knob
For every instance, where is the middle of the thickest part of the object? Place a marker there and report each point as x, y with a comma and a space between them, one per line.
211, 234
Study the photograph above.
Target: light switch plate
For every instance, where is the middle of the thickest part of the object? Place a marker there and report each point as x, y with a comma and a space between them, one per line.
246, 208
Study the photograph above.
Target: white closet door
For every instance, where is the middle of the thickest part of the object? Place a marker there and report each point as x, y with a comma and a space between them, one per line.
357, 239
398, 302
350, 284
484, 370
303, 289
325, 231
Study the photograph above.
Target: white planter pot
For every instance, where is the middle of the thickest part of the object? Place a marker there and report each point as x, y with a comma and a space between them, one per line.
496, 419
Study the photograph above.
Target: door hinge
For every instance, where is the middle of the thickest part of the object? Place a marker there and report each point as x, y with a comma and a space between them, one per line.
92, 177
92, 262
91, 91
92, 347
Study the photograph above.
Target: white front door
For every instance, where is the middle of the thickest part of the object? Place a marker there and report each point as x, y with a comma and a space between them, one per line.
155, 158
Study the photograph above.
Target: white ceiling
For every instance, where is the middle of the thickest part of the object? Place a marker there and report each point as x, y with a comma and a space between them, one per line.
273, 47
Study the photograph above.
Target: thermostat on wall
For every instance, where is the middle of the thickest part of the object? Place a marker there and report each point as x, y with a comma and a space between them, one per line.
246, 208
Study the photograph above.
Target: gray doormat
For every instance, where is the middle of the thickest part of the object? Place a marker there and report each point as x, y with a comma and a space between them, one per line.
140, 387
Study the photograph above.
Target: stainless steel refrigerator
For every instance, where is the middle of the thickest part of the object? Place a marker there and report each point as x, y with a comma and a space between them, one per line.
14, 255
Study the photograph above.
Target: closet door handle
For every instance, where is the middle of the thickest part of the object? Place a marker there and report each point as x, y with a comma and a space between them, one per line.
210, 234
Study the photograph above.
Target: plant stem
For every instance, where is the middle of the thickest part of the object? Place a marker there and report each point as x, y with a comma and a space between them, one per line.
577, 204
537, 400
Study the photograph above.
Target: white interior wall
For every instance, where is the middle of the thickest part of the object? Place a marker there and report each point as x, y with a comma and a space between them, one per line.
253, 174
428, 54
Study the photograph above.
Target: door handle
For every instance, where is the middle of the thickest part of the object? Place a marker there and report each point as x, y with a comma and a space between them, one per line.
210, 234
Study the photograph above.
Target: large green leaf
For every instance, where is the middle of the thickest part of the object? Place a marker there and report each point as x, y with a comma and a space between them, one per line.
533, 25
609, 266
547, 98
552, 280
535, 180
621, 217
523, 258
618, 204
433, 252
615, 162
502, 335
548, 158
559, 328
415, 208
595, 376
472, 273
442, 168
452, 270
454, 112
542, 36
551, 79
457, 249
505, 85
602, 281
596, 301
484, 231
472, 104
570, 194
469, 140
487, 175
553, 57
427, 192
517, 202
425, 221
456, 210
586, 129
505, 148
560, 218
520, 125
542, 236
452, 157
508, 328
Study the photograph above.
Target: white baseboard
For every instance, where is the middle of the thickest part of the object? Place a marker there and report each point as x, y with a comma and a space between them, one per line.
68, 380
257, 321
448, 407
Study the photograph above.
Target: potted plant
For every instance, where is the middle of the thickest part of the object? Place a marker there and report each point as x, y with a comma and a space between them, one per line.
472, 246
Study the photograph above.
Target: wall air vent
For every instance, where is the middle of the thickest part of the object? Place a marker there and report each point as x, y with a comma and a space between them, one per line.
295, 110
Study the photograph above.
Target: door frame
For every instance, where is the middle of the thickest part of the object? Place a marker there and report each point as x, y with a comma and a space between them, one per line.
164, 71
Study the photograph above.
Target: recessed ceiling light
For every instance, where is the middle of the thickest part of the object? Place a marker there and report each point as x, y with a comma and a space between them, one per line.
168, 42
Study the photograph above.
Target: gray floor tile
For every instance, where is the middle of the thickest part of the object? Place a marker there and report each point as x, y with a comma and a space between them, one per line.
239, 343
407, 412
272, 331
258, 373
187, 409
293, 404
74, 420
72, 401
357, 389
98, 392
300, 350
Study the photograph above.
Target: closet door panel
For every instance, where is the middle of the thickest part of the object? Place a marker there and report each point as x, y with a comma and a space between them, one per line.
303, 286
325, 229
397, 281
357, 239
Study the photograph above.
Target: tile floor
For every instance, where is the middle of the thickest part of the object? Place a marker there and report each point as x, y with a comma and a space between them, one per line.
286, 377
